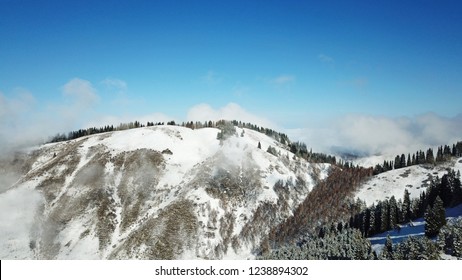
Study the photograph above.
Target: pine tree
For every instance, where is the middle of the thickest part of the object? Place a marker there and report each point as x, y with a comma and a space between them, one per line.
397, 164
430, 158
402, 161
406, 207
393, 212
387, 253
435, 218
385, 217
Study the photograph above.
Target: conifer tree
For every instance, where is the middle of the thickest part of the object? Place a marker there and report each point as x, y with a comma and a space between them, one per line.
387, 253
435, 218
406, 208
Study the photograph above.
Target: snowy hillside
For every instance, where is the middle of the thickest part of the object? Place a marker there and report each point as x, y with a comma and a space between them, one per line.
393, 183
160, 192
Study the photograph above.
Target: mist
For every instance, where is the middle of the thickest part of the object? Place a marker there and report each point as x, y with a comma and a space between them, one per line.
366, 135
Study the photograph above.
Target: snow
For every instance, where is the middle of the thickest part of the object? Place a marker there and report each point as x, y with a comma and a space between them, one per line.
394, 182
414, 228
18, 210
75, 247
193, 151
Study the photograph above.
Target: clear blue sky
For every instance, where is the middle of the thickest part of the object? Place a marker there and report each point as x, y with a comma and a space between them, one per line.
282, 60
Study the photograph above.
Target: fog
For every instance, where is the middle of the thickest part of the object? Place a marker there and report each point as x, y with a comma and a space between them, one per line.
375, 135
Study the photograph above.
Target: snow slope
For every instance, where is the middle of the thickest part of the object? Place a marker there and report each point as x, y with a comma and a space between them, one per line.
393, 183
163, 192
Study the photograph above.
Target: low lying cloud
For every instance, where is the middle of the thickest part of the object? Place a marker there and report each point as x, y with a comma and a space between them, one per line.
24, 123
372, 135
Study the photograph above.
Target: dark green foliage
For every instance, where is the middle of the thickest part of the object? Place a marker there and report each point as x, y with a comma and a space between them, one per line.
389, 213
387, 252
416, 248
435, 218
406, 207
450, 238
420, 157
332, 244
301, 150
348, 244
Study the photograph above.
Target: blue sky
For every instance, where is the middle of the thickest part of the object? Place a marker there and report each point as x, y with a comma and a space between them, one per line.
287, 62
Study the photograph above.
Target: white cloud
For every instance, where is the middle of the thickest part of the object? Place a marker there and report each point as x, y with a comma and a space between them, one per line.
24, 123
283, 79
114, 84
81, 91
371, 135
232, 111
20, 103
18, 120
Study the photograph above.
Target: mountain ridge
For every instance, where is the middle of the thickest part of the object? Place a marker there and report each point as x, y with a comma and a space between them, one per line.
119, 195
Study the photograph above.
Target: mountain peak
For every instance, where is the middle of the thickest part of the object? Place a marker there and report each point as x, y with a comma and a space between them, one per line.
158, 192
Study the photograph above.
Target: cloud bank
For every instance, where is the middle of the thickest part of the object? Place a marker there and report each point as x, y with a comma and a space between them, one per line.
373, 135
24, 123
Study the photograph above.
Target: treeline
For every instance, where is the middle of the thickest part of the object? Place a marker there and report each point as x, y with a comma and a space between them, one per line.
388, 214
300, 149
297, 148
336, 243
448, 241
94, 130
339, 241
280, 137
329, 201
443, 154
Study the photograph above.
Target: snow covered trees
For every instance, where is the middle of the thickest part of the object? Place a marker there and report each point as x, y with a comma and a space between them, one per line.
227, 129
387, 214
435, 218
333, 244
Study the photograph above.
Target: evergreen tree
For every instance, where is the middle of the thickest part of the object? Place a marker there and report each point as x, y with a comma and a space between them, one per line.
435, 218
430, 158
393, 212
385, 216
397, 164
387, 253
402, 161
406, 207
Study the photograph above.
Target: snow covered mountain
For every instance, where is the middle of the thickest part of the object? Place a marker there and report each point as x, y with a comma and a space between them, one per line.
162, 192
